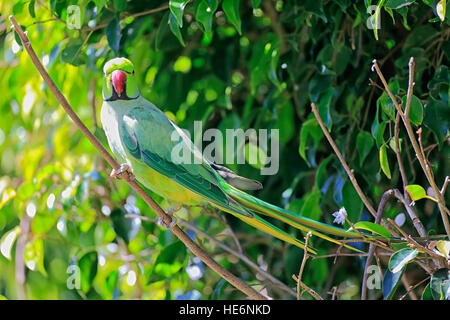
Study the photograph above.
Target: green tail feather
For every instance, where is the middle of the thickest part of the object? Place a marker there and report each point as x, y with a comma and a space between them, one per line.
302, 223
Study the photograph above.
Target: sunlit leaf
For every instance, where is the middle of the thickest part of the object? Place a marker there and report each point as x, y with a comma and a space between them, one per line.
34, 255
441, 7
444, 247
370, 226
399, 259
416, 192
384, 162
7, 195
7, 242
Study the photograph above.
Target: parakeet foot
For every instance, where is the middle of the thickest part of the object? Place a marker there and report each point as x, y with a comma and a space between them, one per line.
124, 172
162, 224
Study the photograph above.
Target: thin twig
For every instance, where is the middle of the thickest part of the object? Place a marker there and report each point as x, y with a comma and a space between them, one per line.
411, 212
414, 243
231, 278
413, 287
381, 207
397, 152
302, 267
310, 291
343, 162
444, 186
410, 87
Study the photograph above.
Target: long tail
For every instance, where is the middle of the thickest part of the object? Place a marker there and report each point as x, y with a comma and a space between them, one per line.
297, 221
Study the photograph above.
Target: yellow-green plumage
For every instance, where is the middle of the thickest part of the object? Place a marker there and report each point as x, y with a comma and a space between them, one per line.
140, 135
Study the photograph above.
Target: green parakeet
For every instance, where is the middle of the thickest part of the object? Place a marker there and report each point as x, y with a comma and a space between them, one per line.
141, 137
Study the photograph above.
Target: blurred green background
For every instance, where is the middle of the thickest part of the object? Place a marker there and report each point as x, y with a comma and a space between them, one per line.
231, 64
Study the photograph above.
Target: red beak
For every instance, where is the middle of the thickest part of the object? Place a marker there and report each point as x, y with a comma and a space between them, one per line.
119, 79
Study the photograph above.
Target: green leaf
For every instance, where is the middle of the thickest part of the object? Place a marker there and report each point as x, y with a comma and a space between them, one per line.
254, 155
379, 136
88, 265
426, 294
114, 34
437, 119
440, 284
111, 281
390, 283
31, 9
43, 222
399, 259
124, 227
441, 7
34, 255
444, 247
177, 8
416, 192
169, 261
397, 4
120, 5
73, 54
324, 107
364, 143
351, 201
7, 195
311, 208
256, 3
415, 111
7, 242
376, 228
309, 128
231, 9
384, 163
377, 18
316, 8
204, 14
175, 28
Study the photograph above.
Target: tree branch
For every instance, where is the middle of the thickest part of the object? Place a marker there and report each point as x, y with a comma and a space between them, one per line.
240, 255
343, 162
381, 207
419, 154
232, 279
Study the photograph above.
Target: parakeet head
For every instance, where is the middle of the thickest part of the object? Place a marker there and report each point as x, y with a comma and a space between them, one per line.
119, 82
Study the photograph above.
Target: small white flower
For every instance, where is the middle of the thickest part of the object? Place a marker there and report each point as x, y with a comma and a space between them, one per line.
340, 216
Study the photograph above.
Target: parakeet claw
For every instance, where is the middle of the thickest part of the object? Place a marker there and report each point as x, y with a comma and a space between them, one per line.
161, 222
124, 172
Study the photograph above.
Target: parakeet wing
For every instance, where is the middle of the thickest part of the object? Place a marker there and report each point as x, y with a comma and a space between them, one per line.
152, 138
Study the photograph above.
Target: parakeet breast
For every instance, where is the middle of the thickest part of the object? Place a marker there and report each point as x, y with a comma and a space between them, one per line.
112, 115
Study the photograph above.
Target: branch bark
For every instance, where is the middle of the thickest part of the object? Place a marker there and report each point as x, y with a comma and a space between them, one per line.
232, 279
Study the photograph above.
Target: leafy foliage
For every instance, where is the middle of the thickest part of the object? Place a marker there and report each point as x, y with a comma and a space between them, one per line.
231, 64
